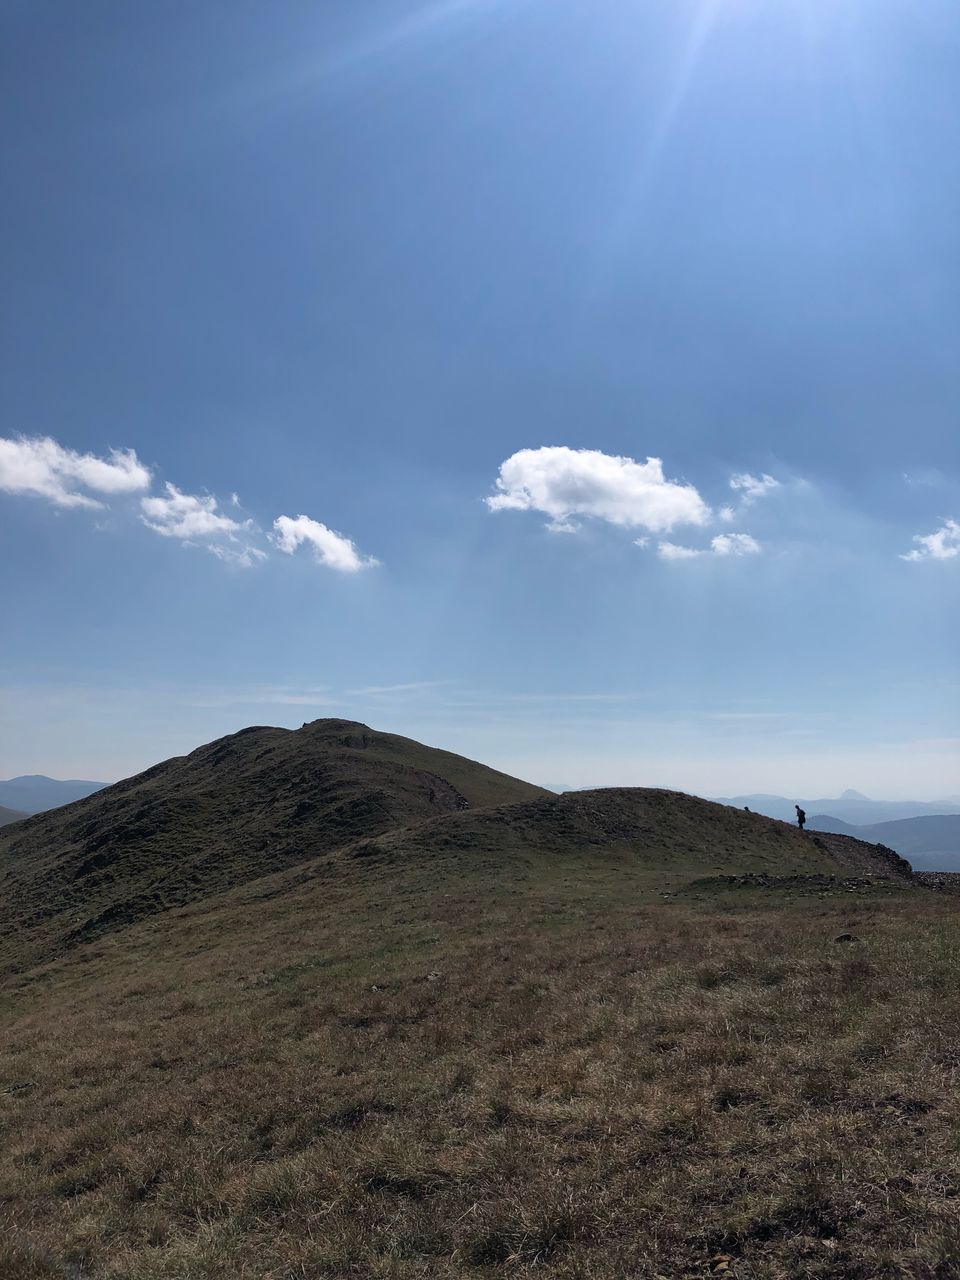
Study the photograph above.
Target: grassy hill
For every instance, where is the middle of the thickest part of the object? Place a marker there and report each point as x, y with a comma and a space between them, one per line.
233, 810
600, 1034
9, 815
263, 800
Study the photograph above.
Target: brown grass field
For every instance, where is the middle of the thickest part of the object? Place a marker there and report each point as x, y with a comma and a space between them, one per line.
552, 1073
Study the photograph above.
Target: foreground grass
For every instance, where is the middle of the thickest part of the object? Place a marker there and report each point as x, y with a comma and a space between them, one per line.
547, 1081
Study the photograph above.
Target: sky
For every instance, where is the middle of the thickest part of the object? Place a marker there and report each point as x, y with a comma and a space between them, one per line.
573, 384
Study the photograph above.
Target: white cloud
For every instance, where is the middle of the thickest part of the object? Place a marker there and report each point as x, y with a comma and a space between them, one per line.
670, 551
563, 483
943, 544
735, 544
245, 558
196, 521
330, 548
751, 487
727, 515
38, 465
724, 544
187, 516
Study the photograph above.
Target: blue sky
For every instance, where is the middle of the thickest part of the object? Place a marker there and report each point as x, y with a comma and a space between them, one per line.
337, 338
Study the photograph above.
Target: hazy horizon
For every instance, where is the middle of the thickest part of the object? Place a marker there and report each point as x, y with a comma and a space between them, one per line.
510, 744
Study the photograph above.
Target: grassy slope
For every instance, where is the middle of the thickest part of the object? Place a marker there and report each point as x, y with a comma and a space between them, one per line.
231, 811
667, 835
9, 815
351, 1070
486, 1045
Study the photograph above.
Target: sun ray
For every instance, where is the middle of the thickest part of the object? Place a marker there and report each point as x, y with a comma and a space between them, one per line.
423, 22
662, 126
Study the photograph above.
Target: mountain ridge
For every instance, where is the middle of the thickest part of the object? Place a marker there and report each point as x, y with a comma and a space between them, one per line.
851, 806
931, 842
266, 800
32, 793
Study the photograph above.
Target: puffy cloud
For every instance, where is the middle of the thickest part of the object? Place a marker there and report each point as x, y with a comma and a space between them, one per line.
38, 465
735, 544
563, 483
724, 544
330, 548
943, 544
751, 487
187, 516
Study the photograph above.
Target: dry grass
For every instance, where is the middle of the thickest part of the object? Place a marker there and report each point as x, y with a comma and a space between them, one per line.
553, 1078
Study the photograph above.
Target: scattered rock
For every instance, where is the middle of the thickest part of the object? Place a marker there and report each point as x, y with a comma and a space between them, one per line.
846, 937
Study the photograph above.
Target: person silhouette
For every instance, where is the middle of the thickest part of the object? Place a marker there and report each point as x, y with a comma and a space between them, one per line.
801, 816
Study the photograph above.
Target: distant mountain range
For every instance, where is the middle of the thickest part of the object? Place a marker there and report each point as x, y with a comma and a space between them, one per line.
851, 806
35, 793
929, 843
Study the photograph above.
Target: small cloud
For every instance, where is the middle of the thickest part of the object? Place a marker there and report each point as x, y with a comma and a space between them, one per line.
724, 544
243, 559
376, 690
943, 544
186, 516
671, 551
641, 542
331, 549
196, 521
727, 515
735, 544
38, 465
751, 487
562, 483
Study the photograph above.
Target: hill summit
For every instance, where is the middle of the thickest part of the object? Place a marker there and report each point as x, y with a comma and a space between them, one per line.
233, 810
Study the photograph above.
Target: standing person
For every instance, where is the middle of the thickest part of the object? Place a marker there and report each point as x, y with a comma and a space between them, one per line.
801, 816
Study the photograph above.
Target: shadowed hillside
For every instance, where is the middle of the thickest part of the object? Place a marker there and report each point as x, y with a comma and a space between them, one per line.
9, 815
233, 810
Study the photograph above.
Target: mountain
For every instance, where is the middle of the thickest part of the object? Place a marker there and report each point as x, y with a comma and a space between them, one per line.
231, 811
930, 843
333, 1003
35, 793
265, 800
9, 815
851, 807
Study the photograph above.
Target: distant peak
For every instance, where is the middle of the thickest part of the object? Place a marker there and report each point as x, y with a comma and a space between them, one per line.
854, 795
